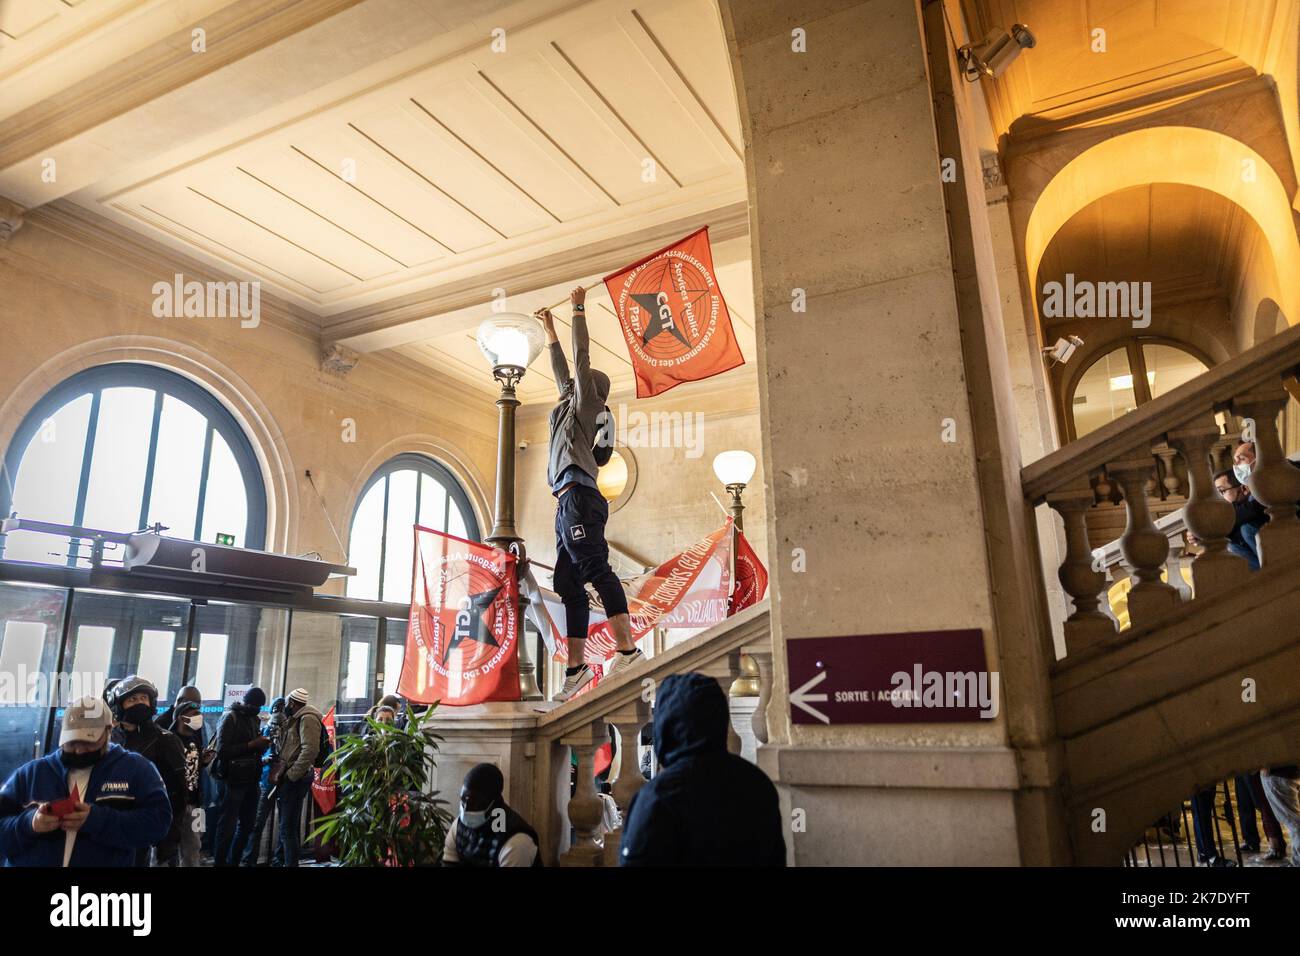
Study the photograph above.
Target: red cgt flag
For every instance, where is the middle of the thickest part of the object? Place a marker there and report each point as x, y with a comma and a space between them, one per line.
751, 577
674, 319
462, 640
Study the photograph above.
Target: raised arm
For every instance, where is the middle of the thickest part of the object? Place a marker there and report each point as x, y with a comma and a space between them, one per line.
584, 386
559, 365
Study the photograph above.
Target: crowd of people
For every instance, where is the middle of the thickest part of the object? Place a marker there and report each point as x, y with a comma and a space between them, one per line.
129, 786
126, 787
1271, 792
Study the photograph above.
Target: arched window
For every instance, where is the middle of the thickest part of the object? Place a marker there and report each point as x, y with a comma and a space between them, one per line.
124, 446
1121, 380
405, 491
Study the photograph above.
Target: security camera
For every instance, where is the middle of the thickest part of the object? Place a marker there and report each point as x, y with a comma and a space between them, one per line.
1060, 353
992, 55
523, 444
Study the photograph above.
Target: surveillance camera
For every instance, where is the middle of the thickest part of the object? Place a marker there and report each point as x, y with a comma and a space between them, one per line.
1064, 348
523, 444
997, 51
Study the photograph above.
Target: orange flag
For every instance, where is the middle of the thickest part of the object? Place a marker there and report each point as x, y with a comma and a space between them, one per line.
675, 322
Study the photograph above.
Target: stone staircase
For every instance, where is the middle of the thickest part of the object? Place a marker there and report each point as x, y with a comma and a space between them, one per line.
1198, 688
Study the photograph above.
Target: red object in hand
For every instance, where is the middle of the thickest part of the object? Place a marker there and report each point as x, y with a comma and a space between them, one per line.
61, 808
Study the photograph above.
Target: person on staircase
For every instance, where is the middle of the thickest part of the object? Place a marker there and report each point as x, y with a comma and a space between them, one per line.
582, 439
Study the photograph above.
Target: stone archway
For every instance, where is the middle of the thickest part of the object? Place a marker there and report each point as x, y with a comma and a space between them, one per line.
1169, 154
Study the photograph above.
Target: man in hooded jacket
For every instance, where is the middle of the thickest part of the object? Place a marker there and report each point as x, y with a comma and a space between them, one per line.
240, 745
582, 439
705, 807
133, 701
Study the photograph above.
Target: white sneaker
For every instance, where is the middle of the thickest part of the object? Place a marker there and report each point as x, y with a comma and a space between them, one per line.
574, 683
623, 661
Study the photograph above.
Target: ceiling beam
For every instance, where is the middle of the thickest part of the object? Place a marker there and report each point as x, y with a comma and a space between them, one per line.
531, 285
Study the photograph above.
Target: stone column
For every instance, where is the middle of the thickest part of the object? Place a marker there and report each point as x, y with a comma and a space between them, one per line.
1079, 574
883, 378
1206, 514
761, 654
1145, 548
1273, 480
585, 807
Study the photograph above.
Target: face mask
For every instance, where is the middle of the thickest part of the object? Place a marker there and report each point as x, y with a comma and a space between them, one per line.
79, 761
195, 722
138, 714
473, 818
1242, 471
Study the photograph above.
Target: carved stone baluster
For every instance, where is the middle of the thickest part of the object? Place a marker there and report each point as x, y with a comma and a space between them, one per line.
628, 721
725, 670
1273, 480
1145, 548
585, 807
761, 654
1078, 576
1170, 480
1207, 515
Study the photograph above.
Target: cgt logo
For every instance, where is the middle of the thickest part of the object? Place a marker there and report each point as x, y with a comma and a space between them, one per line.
77, 909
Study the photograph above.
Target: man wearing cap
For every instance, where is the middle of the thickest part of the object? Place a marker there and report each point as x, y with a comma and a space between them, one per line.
300, 745
487, 832
89, 803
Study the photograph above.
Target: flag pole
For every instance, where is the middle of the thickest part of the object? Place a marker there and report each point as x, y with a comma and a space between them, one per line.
585, 288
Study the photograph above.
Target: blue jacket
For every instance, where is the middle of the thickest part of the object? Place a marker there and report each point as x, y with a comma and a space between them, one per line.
129, 810
706, 807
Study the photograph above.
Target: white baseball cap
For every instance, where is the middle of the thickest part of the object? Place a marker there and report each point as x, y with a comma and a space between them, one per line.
85, 720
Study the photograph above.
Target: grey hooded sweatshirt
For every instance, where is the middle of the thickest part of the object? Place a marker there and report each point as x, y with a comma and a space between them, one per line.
579, 417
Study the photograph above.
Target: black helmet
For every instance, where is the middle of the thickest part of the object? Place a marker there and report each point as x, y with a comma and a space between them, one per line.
127, 686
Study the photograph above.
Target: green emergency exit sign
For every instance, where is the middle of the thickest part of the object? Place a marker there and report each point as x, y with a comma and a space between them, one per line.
225, 538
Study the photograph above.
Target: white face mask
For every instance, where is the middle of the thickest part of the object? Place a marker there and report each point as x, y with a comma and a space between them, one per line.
473, 818
1242, 471
195, 722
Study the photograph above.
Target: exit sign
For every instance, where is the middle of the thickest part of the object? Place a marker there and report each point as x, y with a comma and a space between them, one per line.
225, 539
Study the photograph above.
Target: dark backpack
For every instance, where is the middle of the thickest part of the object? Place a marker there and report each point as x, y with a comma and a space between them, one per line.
600, 451
326, 748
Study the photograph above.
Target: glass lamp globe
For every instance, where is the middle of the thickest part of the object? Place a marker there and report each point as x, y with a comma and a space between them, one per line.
511, 339
734, 467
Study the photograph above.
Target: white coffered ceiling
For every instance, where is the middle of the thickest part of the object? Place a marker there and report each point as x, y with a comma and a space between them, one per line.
384, 165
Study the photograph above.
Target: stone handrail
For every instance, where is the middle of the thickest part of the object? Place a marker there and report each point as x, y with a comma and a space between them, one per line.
1266, 363
624, 703
1253, 387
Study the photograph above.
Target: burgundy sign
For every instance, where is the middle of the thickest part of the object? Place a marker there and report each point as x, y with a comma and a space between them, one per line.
918, 677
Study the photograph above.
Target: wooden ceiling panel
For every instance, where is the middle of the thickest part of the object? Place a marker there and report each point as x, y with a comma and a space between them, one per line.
184, 213
296, 175
548, 89
402, 191
20, 17
281, 217
481, 117
422, 143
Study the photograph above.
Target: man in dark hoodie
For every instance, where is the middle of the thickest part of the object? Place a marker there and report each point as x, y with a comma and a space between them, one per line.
134, 701
705, 807
582, 439
266, 790
239, 746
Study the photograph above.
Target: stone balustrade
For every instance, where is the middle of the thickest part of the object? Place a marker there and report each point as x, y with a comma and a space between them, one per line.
1133, 458
570, 825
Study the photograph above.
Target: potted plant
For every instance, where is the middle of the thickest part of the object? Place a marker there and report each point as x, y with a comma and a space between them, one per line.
384, 816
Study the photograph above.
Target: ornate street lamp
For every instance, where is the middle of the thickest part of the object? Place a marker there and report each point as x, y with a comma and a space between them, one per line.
735, 469
510, 342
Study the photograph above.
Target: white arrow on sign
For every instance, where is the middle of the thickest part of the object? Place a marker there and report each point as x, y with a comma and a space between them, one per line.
801, 697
